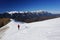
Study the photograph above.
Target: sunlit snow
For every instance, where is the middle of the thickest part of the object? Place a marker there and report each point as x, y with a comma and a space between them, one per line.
41, 30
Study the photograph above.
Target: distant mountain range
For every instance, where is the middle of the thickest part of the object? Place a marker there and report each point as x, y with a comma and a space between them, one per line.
27, 16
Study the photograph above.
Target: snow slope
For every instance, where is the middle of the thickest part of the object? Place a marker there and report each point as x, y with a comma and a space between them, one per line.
42, 30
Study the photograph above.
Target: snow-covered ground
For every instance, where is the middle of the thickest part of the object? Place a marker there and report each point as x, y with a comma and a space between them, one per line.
42, 30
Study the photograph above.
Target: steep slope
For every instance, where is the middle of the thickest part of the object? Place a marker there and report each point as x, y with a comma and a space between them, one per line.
44, 30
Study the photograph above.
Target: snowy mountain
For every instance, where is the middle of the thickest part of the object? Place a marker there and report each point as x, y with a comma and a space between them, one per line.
42, 30
29, 16
37, 11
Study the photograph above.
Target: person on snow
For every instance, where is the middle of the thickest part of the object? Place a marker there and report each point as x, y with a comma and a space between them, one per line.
18, 26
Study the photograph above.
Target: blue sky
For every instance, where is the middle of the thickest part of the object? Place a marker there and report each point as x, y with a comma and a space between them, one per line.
30, 5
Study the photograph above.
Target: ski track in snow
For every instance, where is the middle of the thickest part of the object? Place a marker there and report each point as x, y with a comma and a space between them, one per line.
43, 30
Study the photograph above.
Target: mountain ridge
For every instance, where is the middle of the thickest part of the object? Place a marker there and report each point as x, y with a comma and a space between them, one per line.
29, 16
